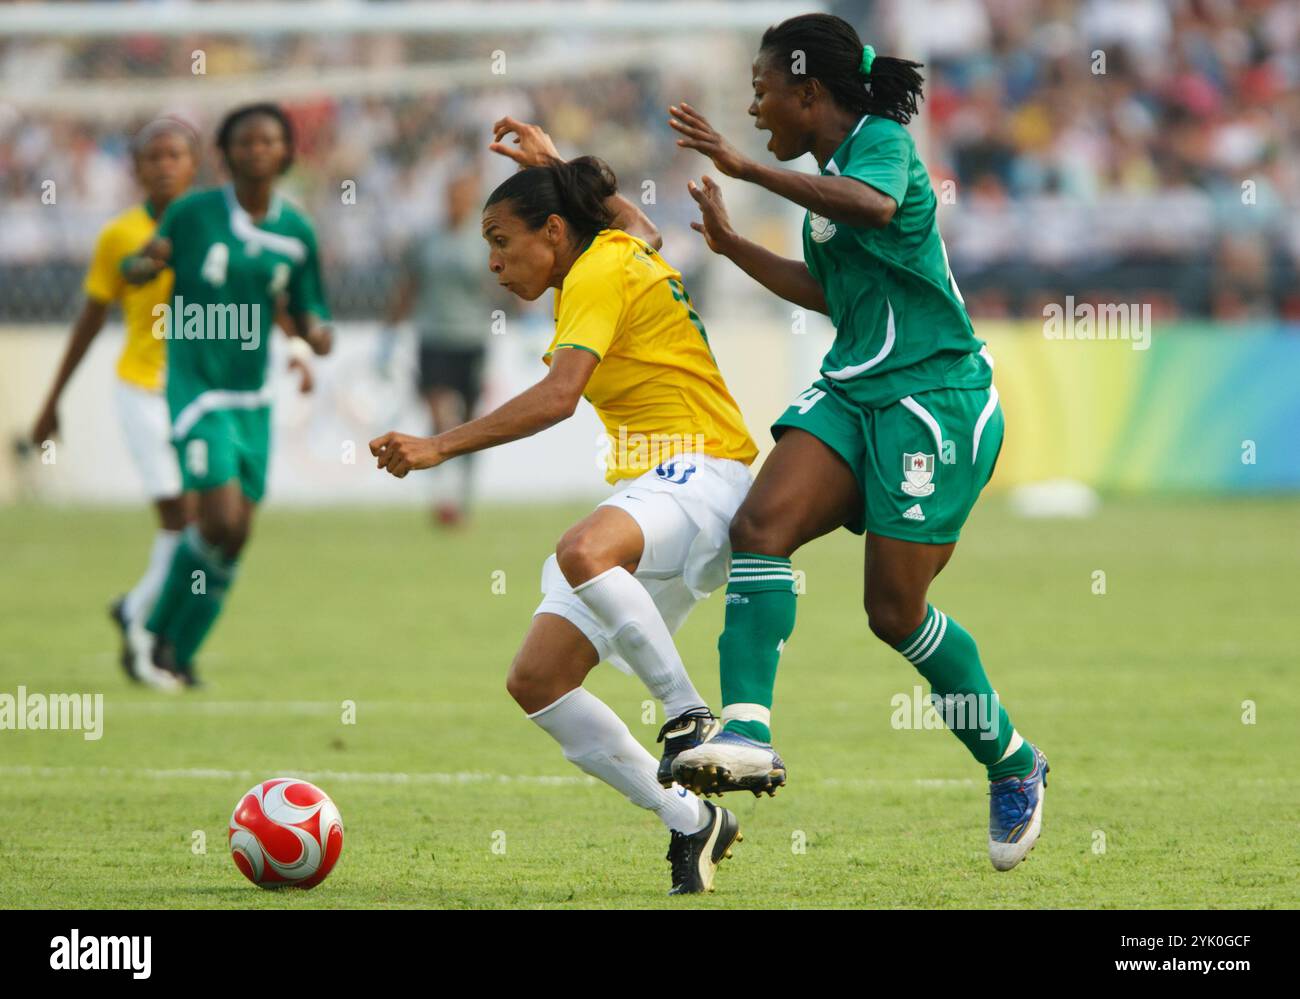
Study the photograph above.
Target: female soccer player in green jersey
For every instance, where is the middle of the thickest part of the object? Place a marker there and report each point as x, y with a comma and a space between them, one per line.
240, 254
897, 437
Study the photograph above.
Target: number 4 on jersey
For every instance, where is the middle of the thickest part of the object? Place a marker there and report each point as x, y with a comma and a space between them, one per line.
215, 264
807, 399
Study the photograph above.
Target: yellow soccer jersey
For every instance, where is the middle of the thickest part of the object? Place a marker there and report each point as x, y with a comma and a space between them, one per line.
144, 356
657, 387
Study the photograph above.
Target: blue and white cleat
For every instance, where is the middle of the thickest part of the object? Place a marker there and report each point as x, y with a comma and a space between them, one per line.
694, 728
730, 762
1016, 814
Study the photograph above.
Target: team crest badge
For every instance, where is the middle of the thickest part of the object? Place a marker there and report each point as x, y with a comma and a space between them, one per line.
918, 470
822, 227
675, 472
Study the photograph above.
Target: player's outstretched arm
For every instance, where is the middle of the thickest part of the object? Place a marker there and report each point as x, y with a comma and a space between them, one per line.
840, 198
550, 401
788, 279
533, 147
308, 326
84, 330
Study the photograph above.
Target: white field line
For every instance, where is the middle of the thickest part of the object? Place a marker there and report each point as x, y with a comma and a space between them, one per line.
341, 776
237, 708
540, 780
379, 777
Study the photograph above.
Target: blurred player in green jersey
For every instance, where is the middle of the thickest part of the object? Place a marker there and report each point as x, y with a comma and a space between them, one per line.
897, 437
240, 254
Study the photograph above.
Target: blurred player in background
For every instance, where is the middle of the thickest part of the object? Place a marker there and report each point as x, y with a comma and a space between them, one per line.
628, 339
444, 290
897, 437
166, 157
239, 254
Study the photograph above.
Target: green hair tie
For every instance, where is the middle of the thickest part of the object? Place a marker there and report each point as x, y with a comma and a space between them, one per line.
868, 57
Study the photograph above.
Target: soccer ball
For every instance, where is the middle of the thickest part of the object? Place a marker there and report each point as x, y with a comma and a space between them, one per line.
286, 832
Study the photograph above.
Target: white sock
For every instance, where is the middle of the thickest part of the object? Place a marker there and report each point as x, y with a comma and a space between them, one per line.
596, 740
139, 602
629, 614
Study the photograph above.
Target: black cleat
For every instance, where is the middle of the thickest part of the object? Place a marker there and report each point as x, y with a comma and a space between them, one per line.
117, 612
695, 857
686, 731
164, 657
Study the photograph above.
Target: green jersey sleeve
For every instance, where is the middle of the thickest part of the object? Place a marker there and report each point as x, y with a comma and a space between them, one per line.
306, 290
881, 157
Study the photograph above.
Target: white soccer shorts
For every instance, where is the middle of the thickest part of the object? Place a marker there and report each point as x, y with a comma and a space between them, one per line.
684, 509
147, 428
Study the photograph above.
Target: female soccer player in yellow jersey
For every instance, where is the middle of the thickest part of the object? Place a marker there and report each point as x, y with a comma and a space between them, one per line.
897, 437
166, 157
624, 578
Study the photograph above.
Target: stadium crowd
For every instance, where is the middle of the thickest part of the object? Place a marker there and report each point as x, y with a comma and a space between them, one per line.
1117, 150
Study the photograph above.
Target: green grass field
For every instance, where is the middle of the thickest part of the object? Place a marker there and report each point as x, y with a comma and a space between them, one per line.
1136, 695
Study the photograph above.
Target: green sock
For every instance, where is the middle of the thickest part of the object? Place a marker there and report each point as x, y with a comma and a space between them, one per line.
759, 619
191, 598
944, 653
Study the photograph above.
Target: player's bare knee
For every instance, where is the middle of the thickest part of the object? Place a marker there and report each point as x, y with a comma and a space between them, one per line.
228, 532
215, 531
891, 620
581, 557
523, 685
517, 685
237, 531
755, 533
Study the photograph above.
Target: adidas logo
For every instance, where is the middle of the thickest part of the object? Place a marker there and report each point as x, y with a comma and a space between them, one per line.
913, 512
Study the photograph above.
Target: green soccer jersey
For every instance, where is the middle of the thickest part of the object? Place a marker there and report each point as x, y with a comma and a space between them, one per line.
231, 274
900, 323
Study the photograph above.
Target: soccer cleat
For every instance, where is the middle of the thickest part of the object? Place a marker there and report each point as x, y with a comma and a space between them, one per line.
730, 762
1016, 814
117, 612
695, 856
686, 731
139, 659
164, 659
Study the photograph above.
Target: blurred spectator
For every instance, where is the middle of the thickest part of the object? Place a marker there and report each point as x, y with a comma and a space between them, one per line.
1107, 144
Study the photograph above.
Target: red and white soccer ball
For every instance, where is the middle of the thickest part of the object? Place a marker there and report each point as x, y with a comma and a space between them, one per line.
286, 832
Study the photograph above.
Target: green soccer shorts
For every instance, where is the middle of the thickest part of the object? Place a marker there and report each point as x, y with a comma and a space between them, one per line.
226, 444
920, 462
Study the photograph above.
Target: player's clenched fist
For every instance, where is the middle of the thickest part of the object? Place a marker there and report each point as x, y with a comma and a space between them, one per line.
400, 453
